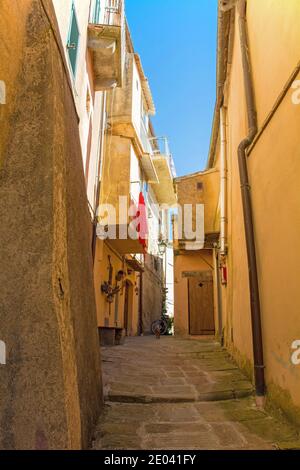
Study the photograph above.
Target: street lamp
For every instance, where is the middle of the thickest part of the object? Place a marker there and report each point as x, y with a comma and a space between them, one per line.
162, 247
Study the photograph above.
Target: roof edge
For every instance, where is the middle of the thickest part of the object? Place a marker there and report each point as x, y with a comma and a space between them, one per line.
225, 19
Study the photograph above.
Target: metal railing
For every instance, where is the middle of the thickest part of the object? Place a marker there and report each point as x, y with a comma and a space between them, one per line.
114, 13
144, 137
160, 147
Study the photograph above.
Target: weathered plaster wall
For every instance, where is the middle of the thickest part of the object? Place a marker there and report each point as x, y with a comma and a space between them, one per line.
116, 170
198, 188
88, 102
50, 389
275, 46
238, 319
274, 174
277, 233
110, 314
80, 82
201, 188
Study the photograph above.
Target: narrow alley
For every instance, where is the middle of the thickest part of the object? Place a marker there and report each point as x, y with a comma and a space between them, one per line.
150, 226
182, 394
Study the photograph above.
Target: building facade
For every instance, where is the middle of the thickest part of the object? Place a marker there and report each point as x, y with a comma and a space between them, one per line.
123, 162
255, 153
75, 108
136, 178
51, 388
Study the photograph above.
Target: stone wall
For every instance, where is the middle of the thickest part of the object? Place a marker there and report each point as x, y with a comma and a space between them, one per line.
50, 388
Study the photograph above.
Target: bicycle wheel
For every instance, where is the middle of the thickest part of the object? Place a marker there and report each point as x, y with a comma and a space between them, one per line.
161, 325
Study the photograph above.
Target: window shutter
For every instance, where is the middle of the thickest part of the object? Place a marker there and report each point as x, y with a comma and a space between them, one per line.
97, 12
73, 41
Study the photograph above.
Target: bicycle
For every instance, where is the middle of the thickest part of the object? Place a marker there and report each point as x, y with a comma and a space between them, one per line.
160, 326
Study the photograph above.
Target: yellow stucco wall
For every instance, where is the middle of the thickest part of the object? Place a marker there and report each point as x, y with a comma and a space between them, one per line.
237, 326
50, 390
200, 261
14, 33
116, 170
108, 314
274, 37
274, 170
188, 193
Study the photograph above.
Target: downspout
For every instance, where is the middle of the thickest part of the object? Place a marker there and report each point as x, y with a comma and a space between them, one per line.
220, 254
219, 294
259, 372
99, 171
223, 183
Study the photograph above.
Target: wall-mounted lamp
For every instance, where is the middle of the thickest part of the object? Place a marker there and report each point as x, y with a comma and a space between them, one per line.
162, 247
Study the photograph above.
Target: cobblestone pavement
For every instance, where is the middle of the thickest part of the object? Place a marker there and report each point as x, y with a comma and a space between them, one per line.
182, 394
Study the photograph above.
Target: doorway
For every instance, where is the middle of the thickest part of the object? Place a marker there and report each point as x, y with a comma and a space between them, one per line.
201, 304
128, 299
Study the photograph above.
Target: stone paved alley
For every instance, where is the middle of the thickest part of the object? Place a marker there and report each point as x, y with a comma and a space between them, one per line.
182, 394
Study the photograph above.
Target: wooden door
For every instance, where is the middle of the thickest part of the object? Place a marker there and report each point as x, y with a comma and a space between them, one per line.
201, 304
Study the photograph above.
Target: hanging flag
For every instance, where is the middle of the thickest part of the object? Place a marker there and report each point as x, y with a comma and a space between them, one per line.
142, 227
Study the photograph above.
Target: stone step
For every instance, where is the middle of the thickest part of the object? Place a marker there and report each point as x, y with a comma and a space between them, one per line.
180, 396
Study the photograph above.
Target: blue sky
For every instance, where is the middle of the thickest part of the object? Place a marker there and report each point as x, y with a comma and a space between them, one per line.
177, 43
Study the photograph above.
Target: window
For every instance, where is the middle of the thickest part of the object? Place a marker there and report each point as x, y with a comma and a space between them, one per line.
97, 8
73, 41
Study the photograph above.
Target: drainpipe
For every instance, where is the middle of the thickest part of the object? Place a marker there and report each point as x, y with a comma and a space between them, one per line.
219, 294
247, 208
223, 183
99, 171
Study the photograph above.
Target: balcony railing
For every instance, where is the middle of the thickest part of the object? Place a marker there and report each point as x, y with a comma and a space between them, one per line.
147, 147
107, 43
160, 149
114, 11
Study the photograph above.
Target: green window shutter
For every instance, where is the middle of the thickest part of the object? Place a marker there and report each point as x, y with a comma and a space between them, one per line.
73, 41
97, 11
